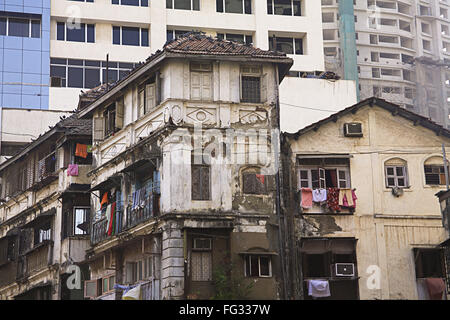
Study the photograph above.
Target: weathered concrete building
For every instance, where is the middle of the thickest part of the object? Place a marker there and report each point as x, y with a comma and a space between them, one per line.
384, 244
184, 178
44, 212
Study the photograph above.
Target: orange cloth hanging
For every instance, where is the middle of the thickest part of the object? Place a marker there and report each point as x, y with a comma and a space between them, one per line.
104, 199
81, 150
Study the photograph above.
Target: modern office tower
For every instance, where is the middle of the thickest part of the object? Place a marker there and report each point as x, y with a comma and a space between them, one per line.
24, 73
402, 48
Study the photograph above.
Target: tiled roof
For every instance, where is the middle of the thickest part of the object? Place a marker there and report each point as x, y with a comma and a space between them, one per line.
196, 43
417, 119
72, 125
192, 43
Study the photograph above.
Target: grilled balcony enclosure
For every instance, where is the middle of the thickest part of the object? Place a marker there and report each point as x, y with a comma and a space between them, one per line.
38, 258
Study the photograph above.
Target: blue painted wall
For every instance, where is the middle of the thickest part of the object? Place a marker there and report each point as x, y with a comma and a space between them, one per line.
25, 62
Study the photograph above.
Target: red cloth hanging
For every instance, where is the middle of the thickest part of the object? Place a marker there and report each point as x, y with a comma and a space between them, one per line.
112, 219
260, 177
104, 199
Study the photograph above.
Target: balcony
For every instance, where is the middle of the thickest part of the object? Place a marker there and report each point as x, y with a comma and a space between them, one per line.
148, 208
126, 218
35, 259
99, 231
46, 170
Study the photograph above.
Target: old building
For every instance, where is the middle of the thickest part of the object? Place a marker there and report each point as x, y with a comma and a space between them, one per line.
381, 240
184, 177
44, 213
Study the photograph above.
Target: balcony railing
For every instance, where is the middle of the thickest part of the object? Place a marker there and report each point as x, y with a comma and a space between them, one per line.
34, 260
125, 218
47, 167
100, 227
147, 208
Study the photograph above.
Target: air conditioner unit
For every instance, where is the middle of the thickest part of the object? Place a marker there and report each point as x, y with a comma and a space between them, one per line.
397, 192
353, 129
344, 269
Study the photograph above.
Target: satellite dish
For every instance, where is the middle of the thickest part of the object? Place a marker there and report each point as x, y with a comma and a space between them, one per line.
397, 192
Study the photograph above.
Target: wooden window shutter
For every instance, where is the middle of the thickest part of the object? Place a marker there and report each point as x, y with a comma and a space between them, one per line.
99, 129
158, 88
196, 86
150, 97
206, 86
119, 113
195, 185
141, 102
249, 185
264, 88
200, 182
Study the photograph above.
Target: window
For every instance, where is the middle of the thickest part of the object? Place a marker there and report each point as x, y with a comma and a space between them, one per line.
83, 33
253, 84
20, 25
113, 118
434, 171
258, 266
108, 284
183, 4
396, 173
201, 259
136, 3
80, 221
85, 73
201, 81
254, 183
148, 95
234, 6
200, 182
130, 36
240, 38
428, 263
318, 173
286, 45
284, 7
42, 233
175, 34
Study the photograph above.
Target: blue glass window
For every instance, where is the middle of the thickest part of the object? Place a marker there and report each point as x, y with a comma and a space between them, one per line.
130, 36
76, 34
35, 29
18, 27
116, 35
90, 33
144, 37
60, 30
3, 26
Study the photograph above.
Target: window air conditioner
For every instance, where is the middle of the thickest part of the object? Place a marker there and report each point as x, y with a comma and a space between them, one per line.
353, 130
344, 269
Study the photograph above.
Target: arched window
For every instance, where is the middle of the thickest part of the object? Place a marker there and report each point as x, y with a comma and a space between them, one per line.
253, 182
434, 171
396, 173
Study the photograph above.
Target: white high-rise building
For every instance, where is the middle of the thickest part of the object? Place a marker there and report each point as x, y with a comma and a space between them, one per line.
403, 52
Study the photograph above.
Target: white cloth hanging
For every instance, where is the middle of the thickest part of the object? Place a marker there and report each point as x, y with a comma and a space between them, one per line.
319, 195
319, 288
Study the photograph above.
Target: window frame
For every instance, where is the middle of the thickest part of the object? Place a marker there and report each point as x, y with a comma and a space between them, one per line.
30, 21
395, 176
86, 27
439, 174
322, 179
86, 218
223, 8
271, 7
247, 259
140, 36
194, 4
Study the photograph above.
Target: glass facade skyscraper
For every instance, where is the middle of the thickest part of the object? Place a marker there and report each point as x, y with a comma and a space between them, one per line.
24, 53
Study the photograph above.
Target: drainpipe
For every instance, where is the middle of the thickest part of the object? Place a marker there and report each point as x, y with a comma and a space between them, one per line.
278, 191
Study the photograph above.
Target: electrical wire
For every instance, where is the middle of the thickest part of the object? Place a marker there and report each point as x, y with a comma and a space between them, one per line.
309, 108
